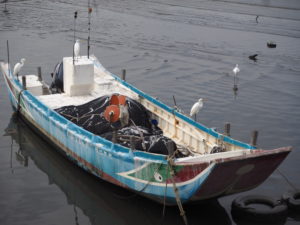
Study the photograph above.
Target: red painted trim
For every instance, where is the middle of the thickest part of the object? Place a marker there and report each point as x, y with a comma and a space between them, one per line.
189, 172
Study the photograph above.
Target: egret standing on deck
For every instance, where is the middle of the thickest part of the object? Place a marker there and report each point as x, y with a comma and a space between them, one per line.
18, 67
196, 108
77, 48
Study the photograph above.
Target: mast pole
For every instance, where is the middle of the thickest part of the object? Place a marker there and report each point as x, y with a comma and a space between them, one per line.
8, 63
89, 28
75, 17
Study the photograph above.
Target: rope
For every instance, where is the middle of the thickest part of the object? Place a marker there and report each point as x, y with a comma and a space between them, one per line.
179, 204
164, 207
287, 180
138, 191
141, 135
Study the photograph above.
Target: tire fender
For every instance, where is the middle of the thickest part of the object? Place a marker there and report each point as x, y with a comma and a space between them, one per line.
292, 199
241, 209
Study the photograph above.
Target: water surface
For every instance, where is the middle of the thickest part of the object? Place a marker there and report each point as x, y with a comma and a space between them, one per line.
168, 47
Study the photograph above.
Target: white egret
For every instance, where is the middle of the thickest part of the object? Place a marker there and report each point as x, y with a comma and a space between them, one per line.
236, 69
196, 108
18, 67
77, 48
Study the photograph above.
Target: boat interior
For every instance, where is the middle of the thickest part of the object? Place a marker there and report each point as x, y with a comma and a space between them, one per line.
86, 79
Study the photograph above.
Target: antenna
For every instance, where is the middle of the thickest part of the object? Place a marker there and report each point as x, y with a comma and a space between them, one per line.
75, 17
89, 28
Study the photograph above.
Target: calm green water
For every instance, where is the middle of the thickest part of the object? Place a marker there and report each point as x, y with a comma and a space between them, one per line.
169, 47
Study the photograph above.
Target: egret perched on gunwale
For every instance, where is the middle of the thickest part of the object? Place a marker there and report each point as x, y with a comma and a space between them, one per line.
77, 48
18, 67
196, 108
236, 69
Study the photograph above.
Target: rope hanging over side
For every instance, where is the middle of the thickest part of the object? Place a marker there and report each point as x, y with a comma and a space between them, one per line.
172, 173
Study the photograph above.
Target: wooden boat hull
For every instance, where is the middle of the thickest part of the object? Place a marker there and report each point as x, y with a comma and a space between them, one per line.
145, 173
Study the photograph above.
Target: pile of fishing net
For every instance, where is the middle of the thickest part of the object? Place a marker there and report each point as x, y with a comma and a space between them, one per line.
140, 133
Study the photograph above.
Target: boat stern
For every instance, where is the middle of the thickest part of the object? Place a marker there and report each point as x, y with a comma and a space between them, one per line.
241, 173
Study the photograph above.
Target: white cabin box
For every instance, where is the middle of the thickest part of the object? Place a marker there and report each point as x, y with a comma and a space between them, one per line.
33, 84
78, 77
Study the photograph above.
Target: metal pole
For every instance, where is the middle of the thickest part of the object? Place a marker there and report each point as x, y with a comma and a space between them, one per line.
39, 69
124, 74
8, 64
254, 138
75, 17
89, 28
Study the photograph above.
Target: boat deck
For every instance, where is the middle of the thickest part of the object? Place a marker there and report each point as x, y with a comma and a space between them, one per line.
185, 134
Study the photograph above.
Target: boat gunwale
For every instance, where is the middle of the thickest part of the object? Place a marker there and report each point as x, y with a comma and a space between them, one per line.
117, 148
254, 153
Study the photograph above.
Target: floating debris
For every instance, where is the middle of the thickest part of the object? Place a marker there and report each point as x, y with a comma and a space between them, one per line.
253, 57
271, 44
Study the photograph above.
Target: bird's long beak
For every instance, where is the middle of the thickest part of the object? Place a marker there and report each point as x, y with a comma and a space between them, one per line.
205, 99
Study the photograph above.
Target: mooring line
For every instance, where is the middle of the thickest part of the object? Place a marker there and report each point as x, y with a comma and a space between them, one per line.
182, 212
287, 180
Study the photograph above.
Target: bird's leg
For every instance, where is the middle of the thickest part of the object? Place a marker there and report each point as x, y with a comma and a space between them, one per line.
195, 117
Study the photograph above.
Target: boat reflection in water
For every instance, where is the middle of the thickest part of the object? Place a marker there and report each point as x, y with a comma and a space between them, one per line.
102, 202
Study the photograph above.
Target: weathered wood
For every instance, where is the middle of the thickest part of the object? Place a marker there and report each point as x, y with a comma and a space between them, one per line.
227, 129
254, 137
39, 69
24, 82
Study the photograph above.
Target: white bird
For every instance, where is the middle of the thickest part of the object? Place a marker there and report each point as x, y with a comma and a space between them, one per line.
196, 107
77, 48
18, 67
236, 69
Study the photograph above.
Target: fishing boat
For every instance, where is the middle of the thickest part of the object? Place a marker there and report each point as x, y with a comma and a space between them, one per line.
191, 163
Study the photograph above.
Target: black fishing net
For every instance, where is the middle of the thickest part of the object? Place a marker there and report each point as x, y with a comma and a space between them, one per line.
58, 78
145, 135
